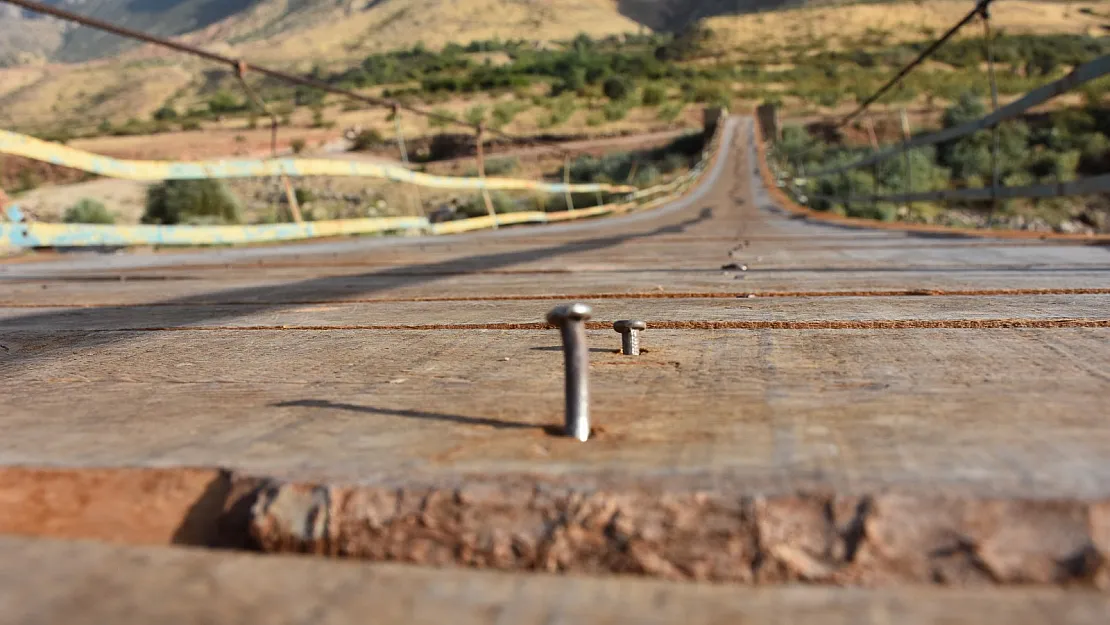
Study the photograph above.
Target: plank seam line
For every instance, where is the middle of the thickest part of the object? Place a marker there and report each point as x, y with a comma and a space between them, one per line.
263, 264
882, 324
592, 296
125, 277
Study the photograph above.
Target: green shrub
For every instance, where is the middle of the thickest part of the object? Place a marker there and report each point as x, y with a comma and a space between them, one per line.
646, 176
795, 142
502, 203
308, 96
440, 118
88, 211
366, 139
615, 111
853, 183
475, 115
608, 168
1095, 153
303, 196
130, 128
969, 158
562, 109
1056, 166
573, 81
224, 102
297, 145
653, 95
828, 98
558, 203
504, 112
616, 88
502, 166
713, 94
968, 107
924, 173
165, 114
881, 211
191, 202
670, 112
673, 162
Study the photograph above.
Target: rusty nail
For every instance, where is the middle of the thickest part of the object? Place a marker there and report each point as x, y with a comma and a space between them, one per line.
576, 356
630, 335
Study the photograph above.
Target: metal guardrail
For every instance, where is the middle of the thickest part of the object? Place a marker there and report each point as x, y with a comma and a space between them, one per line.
1082, 74
1086, 186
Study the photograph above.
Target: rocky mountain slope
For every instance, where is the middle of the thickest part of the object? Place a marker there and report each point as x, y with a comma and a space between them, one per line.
26, 37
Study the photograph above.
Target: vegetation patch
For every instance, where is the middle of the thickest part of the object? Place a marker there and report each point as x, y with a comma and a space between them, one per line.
191, 202
1043, 148
88, 211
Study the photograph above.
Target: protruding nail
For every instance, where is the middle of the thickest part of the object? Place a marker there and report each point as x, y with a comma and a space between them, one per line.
630, 335
576, 357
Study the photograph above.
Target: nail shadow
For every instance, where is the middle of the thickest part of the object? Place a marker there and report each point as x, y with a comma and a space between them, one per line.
497, 424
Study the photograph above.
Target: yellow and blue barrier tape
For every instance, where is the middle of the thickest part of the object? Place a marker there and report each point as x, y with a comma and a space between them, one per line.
19, 233
56, 154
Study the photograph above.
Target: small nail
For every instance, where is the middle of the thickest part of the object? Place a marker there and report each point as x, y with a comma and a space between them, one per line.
630, 335
571, 320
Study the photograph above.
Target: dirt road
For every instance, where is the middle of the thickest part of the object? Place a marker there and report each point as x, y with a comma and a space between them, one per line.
909, 425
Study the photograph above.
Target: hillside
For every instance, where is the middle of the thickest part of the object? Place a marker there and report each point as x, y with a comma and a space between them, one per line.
879, 24
284, 29
339, 34
28, 37
295, 34
357, 24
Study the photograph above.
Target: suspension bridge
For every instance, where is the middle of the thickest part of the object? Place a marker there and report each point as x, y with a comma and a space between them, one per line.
831, 422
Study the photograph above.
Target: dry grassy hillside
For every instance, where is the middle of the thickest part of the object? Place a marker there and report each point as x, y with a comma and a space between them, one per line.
298, 34
24, 41
279, 31
888, 23
288, 33
76, 94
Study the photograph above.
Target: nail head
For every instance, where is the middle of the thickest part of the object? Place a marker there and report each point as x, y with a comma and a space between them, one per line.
569, 312
625, 325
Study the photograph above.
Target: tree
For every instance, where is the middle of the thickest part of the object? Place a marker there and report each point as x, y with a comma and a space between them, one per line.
616, 88
475, 115
968, 156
